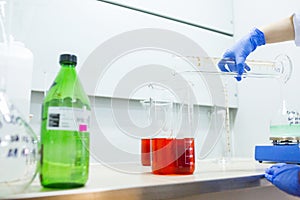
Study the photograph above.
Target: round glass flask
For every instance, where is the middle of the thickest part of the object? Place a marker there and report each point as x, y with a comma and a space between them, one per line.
18, 149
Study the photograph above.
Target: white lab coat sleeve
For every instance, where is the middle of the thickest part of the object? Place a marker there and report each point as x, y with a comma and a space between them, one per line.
296, 21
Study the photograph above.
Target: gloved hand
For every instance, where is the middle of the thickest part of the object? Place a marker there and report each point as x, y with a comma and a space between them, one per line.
285, 177
239, 52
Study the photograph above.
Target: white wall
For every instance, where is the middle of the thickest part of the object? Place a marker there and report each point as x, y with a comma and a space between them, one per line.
259, 98
200, 12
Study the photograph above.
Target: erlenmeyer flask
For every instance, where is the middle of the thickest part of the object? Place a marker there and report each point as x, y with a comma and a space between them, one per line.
18, 148
285, 123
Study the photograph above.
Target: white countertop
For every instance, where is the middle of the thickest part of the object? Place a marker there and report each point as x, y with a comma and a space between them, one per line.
107, 182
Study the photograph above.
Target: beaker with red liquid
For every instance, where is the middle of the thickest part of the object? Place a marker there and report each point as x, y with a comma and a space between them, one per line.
146, 152
171, 150
159, 114
173, 156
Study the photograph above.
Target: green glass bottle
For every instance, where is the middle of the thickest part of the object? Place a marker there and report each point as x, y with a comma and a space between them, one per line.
64, 130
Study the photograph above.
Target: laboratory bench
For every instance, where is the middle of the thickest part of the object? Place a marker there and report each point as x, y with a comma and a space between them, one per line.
109, 182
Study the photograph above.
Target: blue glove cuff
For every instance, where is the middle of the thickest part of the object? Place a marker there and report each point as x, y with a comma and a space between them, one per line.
257, 38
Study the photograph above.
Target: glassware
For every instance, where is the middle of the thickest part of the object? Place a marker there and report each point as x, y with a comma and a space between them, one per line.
285, 122
154, 119
280, 68
65, 130
176, 154
226, 136
16, 66
19, 149
172, 143
159, 117
146, 151
173, 156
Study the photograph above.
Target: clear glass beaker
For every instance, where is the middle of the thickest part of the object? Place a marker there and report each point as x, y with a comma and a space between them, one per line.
159, 121
157, 109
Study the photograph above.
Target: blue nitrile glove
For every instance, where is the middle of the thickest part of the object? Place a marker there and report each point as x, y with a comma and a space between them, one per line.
239, 52
285, 177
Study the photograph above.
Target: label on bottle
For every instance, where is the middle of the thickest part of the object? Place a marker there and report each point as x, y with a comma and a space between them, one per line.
68, 119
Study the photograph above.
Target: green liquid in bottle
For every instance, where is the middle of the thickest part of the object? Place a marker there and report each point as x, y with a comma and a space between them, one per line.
64, 132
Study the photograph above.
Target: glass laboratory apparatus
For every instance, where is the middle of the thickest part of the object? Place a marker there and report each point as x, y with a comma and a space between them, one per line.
17, 60
280, 67
19, 148
170, 150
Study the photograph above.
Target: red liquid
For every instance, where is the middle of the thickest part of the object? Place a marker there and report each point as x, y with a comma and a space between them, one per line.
145, 156
173, 156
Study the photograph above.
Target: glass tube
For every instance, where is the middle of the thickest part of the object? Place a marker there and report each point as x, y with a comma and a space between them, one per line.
281, 67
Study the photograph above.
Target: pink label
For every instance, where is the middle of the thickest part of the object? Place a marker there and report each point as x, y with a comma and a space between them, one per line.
82, 127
